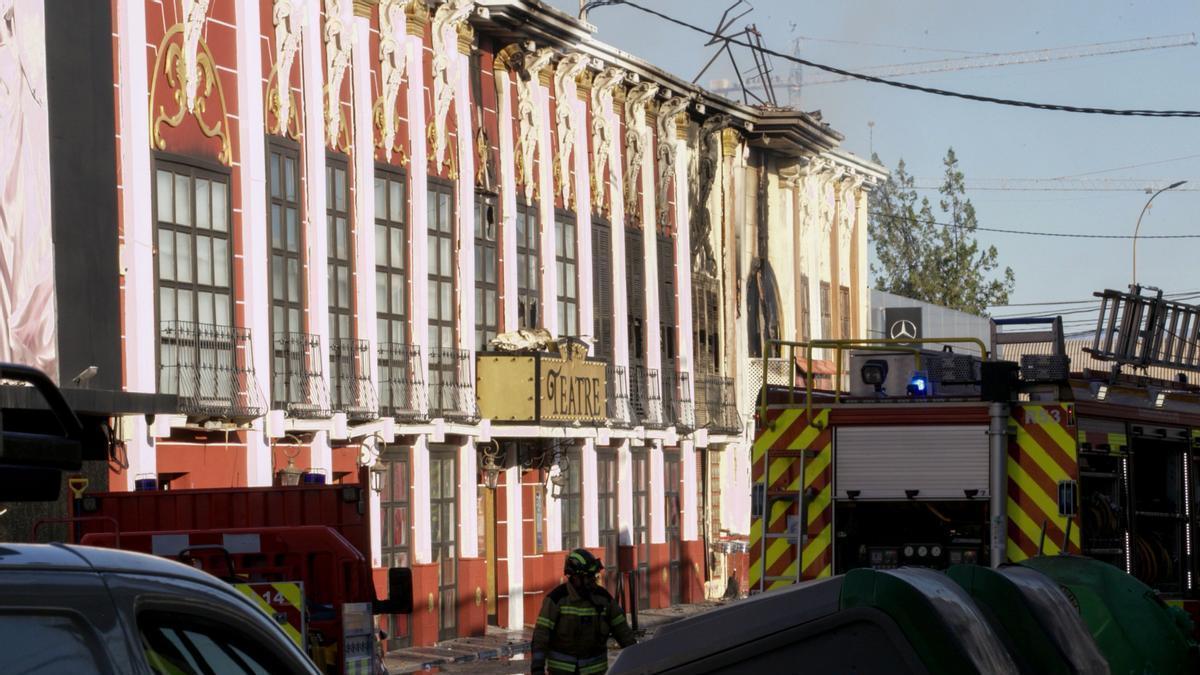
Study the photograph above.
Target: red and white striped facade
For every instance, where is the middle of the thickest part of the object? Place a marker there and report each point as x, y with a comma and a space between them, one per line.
493, 99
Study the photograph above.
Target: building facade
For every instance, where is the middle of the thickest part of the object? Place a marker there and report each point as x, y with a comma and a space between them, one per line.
327, 211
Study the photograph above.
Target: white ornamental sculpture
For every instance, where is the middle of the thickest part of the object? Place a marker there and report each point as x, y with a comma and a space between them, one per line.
668, 148
288, 19
529, 121
392, 61
637, 137
602, 130
446, 21
194, 12
338, 20
568, 69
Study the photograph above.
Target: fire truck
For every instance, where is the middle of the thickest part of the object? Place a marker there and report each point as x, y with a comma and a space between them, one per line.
301, 553
938, 453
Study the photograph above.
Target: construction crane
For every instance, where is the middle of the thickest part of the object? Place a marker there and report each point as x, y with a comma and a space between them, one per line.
794, 81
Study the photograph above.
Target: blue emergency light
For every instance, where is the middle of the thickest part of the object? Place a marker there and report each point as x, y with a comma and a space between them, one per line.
918, 386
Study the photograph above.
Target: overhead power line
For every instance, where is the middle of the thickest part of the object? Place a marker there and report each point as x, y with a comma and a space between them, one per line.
893, 83
1147, 185
1034, 233
1021, 57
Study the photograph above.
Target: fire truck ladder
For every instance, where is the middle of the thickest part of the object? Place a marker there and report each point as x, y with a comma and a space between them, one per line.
1142, 329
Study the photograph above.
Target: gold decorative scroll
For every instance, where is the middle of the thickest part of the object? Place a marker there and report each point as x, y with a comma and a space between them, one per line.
172, 63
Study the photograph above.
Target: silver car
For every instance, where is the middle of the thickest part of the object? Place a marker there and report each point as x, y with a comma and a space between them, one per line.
83, 610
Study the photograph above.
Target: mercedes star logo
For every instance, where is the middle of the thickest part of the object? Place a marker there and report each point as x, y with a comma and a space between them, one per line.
903, 329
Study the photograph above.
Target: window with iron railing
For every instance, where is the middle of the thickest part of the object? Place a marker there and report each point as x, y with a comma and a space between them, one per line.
194, 257
287, 244
528, 266
706, 324
619, 405
391, 258
487, 271
342, 359
602, 293
566, 259
401, 381
440, 263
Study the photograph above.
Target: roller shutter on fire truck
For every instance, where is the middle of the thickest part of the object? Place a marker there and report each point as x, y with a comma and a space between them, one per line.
888, 462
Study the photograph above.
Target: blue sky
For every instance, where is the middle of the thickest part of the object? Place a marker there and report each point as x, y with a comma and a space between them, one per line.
994, 141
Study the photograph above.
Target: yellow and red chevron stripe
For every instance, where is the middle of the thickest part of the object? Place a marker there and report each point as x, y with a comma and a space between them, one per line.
777, 458
1041, 453
283, 601
1115, 443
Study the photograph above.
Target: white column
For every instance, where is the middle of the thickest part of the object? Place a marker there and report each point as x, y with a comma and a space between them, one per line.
466, 204
583, 213
625, 494
468, 501
860, 284
616, 197
658, 525
690, 509
421, 514
315, 229
418, 177
364, 196
516, 547
683, 269
508, 200
650, 273
591, 501
255, 294
545, 180
137, 186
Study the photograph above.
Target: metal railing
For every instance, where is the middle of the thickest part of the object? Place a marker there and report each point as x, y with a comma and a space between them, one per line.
298, 385
210, 368
452, 385
401, 382
350, 375
670, 395
637, 394
686, 416
716, 404
620, 410
654, 399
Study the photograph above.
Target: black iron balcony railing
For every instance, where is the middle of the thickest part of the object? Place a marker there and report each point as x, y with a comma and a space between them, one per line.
670, 395
298, 385
637, 393
451, 385
401, 382
716, 405
211, 369
677, 400
654, 399
350, 376
619, 410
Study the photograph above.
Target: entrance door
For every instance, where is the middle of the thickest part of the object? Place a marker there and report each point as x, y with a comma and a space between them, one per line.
671, 509
606, 494
641, 525
443, 507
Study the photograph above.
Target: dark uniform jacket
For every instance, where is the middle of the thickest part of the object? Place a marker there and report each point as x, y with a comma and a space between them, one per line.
572, 631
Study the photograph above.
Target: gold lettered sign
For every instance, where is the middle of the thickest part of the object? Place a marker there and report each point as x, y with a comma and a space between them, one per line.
571, 388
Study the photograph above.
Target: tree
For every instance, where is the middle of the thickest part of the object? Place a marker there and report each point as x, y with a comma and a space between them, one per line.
931, 257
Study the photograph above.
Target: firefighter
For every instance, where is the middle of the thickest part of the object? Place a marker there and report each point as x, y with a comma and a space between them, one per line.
576, 621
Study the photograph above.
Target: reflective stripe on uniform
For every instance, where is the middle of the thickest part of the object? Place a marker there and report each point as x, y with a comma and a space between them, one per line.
545, 622
617, 620
555, 664
578, 611
594, 668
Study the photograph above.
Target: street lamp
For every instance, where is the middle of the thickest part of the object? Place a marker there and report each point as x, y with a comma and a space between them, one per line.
1172, 186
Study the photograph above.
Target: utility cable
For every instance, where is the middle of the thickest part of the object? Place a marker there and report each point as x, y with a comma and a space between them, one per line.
1033, 233
893, 83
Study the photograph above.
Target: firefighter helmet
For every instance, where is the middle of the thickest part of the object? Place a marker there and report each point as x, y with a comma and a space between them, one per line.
582, 562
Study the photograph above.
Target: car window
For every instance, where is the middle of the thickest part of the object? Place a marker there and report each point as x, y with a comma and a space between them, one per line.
176, 644
49, 643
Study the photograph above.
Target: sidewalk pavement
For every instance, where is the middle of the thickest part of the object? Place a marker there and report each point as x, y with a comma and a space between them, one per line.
505, 651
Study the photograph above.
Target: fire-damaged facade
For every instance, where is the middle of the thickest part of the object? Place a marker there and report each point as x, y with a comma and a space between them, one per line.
502, 276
